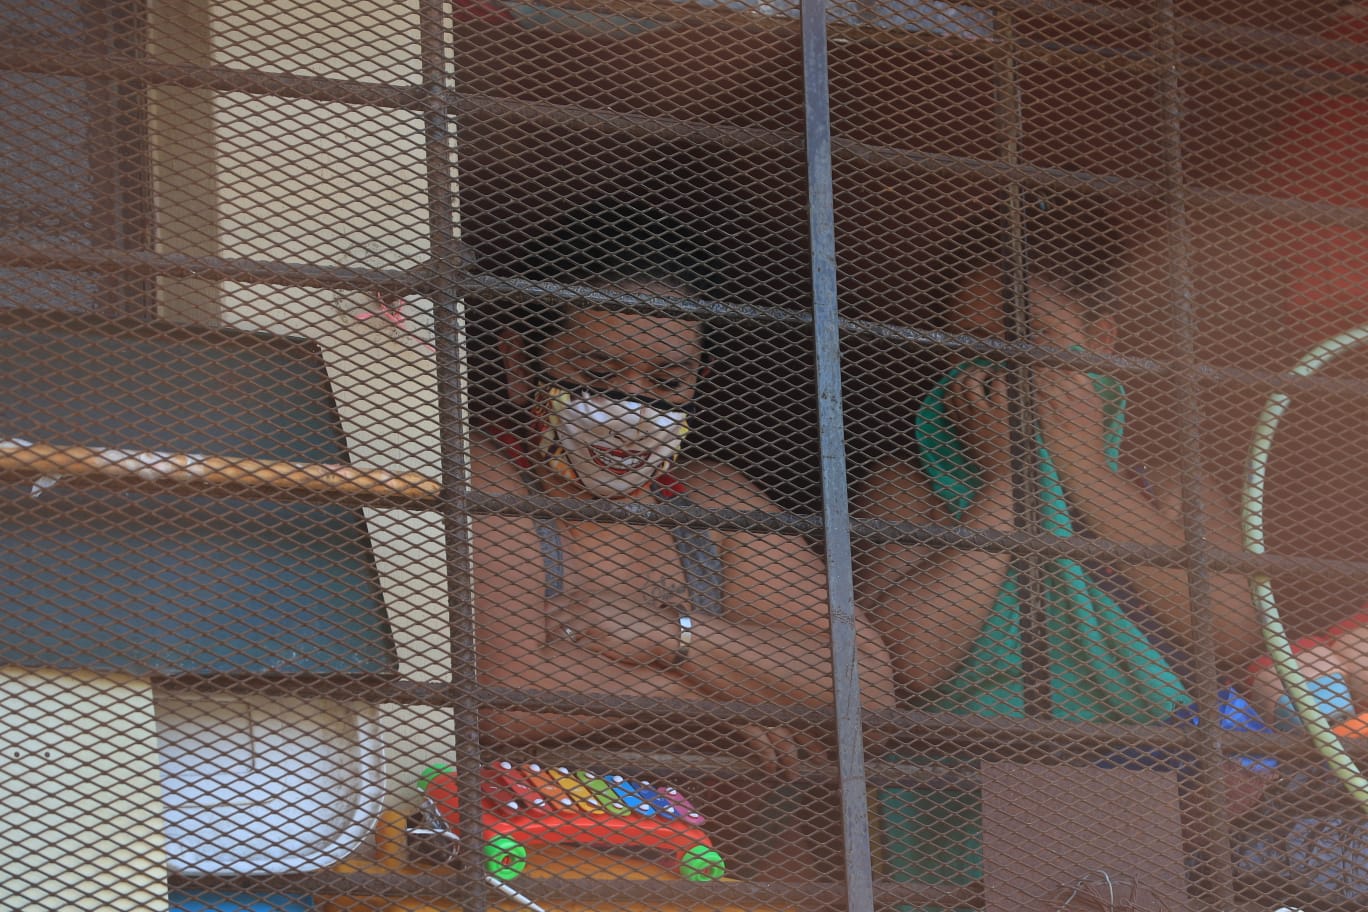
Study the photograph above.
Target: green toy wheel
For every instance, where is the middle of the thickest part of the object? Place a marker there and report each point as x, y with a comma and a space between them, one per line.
505, 857
702, 863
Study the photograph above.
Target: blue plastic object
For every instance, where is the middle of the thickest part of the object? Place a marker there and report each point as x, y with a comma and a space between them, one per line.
642, 798
1236, 714
1331, 695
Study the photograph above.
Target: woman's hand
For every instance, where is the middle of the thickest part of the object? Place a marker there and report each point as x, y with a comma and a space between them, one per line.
977, 407
627, 631
1073, 425
779, 750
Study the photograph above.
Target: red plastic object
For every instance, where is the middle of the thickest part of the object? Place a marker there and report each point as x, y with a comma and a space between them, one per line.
548, 825
1334, 632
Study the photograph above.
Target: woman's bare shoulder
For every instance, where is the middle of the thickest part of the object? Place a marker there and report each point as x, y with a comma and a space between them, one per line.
715, 484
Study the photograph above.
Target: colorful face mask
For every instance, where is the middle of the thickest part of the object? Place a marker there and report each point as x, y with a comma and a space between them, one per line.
611, 445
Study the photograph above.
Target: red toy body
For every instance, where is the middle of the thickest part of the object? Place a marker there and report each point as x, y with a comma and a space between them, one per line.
524, 807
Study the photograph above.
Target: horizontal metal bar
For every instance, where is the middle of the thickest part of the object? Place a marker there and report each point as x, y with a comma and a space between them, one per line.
939, 342
420, 280
1341, 51
892, 730
151, 72
1098, 13
235, 476
178, 265
596, 892
527, 290
656, 127
1094, 549
885, 730
664, 515
374, 689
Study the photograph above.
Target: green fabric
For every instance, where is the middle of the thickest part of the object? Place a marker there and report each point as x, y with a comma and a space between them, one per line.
1102, 666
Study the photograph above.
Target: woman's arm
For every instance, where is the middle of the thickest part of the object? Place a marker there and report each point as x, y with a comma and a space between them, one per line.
928, 603
1118, 509
770, 644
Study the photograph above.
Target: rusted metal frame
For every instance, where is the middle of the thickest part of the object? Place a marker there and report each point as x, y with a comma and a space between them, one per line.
370, 487
593, 891
468, 106
421, 280
1095, 549
151, 72
446, 266
1211, 843
1096, 13
1185, 25
123, 182
288, 85
845, 659
1022, 417
952, 731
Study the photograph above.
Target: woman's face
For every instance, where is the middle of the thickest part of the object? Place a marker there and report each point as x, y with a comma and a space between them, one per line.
650, 357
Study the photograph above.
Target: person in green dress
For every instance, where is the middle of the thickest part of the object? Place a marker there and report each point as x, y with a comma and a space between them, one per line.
953, 618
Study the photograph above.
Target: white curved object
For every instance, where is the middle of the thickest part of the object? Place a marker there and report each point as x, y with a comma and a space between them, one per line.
266, 785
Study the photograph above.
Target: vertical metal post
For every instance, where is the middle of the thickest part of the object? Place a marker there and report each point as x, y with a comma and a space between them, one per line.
1212, 838
445, 267
1023, 420
831, 428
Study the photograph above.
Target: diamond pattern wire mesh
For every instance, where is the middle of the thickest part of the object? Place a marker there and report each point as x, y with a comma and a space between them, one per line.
424, 408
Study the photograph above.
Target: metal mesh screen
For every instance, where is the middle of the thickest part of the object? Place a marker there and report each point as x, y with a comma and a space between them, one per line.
587, 454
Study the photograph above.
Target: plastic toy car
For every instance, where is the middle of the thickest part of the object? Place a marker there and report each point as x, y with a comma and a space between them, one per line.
532, 805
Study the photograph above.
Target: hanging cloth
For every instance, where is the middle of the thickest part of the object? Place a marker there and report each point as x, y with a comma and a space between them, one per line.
1102, 666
